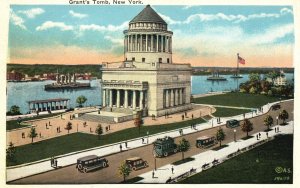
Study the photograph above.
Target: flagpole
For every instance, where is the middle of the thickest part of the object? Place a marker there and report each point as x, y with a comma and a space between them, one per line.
237, 66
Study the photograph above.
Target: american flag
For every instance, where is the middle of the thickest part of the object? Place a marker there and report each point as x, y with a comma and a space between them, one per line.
241, 60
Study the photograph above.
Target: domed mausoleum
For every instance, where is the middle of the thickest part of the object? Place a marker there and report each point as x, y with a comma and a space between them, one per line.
147, 80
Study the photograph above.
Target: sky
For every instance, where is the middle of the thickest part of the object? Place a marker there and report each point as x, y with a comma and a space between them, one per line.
202, 35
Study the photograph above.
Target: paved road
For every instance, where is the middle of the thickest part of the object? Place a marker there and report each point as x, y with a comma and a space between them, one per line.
109, 175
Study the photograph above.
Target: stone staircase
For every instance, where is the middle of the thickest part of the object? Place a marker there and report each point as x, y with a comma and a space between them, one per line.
118, 110
96, 118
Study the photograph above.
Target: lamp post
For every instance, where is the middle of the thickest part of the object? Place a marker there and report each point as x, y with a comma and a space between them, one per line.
147, 137
153, 152
234, 131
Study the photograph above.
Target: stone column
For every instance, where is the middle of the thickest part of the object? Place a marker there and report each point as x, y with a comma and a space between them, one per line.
162, 43
141, 44
141, 99
156, 43
167, 98
180, 96
172, 98
152, 46
104, 97
134, 100
127, 44
176, 97
110, 98
146, 43
118, 98
126, 99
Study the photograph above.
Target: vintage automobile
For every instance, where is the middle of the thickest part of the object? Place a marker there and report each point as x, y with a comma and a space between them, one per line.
232, 123
276, 107
136, 163
91, 162
205, 141
164, 147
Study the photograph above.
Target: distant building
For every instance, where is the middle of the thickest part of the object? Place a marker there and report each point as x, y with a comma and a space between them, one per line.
14, 76
147, 80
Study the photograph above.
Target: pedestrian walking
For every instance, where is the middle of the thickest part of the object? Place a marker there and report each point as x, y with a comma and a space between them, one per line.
49, 123
267, 134
192, 116
46, 126
172, 170
108, 127
153, 174
126, 144
55, 163
60, 116
275, 129
259, 135
23, 135
278, 129
52, 161
185, 114
120, 147
182, 117
70, 117
40, 135
90, 129
57, 129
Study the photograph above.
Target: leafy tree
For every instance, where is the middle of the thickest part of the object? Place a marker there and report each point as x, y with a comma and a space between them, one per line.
68, 126
81, 100
32, 134
254, 77
124, 171
99, 130
268, 121
14, 110
220, 135
138, 121
283, 115
11, 152
247, 126
183, 146
253, 90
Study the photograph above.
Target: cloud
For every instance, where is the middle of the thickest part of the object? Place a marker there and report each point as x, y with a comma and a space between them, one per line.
114, 40
286, 11
272, 34
49, 24
225, 17
94, 27
16, 20
77, 15
32, 13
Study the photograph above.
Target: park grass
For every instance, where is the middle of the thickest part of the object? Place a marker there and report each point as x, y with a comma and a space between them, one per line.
13, 124
238, 100
80, 141
255, 166
228, 112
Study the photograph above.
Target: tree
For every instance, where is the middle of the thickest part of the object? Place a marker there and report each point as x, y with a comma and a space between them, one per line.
220, 135
283, 115
14, 110
124, 170
253, 77
99, 130
32, 134
68, 126
11, 152
80, 100
268, 121
247, 126
183, 146
138, 121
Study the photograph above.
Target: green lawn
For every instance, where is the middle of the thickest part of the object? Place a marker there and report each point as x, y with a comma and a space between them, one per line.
79, 141
226, 112
276, 154
237, 99
13, 124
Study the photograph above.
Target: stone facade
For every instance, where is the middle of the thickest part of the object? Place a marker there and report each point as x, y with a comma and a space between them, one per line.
147, 80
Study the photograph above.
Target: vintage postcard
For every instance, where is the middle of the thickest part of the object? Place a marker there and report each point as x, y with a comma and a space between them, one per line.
141, 92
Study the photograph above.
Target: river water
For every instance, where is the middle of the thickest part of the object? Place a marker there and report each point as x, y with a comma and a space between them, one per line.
18, 93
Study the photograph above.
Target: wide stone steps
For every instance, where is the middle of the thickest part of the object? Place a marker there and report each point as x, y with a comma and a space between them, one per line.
96, 118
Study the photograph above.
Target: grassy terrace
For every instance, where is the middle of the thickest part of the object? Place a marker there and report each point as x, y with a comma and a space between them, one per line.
277, 154
13, 124
237, 99
80, 141
227, 112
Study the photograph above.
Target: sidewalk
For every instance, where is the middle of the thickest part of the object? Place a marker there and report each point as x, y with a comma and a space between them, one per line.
163, 173
44, 165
